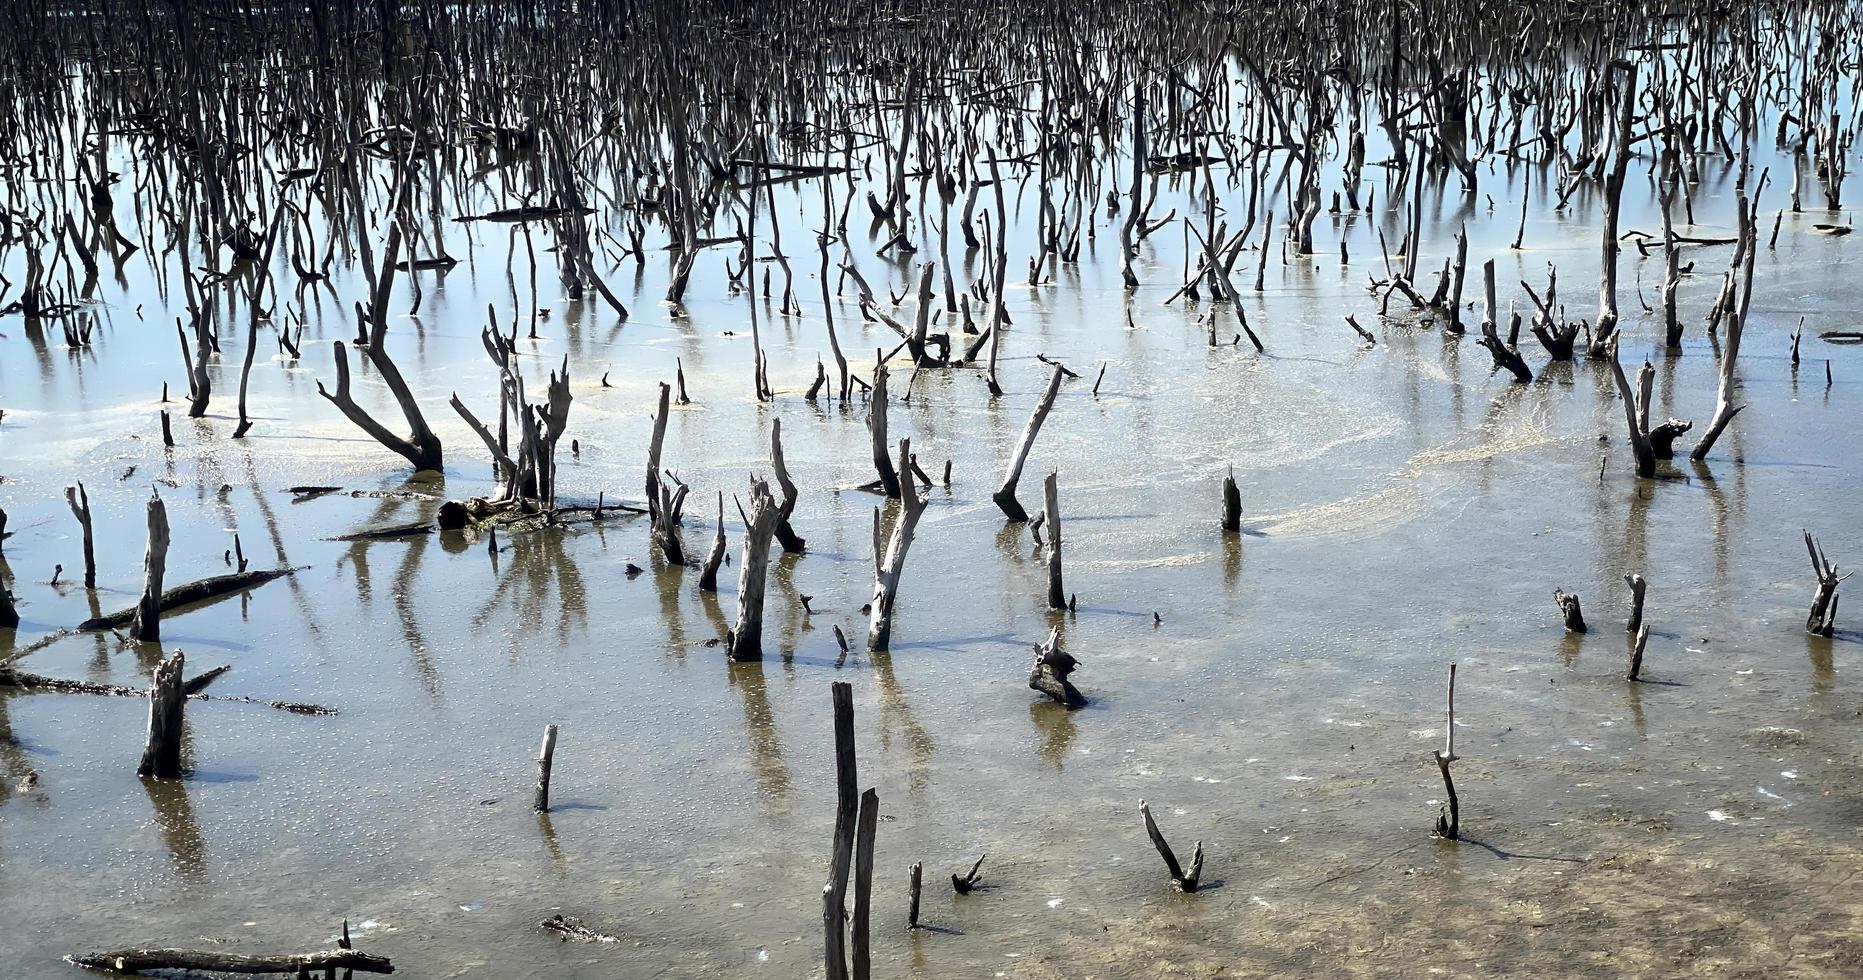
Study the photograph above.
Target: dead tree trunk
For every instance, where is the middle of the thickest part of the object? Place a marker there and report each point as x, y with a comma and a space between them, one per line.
1637, 585
421, 447
1186, 881
161, 752
708, 577
759, 525
1504, 356
129, 961
1569, 608
785, 535
1636, 654
664, 506
1049, 673
847, 792
1005, 495
1449, 818
1636, 413
80, 504
1823, 618
1232, 503
546, 757
876, 431
1613, 192
861, 945
890, 564
1724, 407
1051, 515
146, 627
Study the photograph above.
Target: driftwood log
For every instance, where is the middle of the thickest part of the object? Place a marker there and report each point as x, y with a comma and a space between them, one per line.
213, 961
185, 595
1050, 669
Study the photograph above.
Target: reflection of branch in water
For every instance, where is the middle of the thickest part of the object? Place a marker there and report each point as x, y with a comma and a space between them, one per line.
410, 623
546, 583
766, 748
305, 608
666, 580
896, 713
1637, 721
174, 821
547, 831
714, 612
1055, 722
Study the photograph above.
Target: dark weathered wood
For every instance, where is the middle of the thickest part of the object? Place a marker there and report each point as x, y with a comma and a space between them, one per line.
1005, 495
214, 961
1186, 881
1050, 669
963, 885
1823, 617
915, 883
80, 504
1637, 585
145, 621
189, 594
708, 576
1051, 516
1636, 653
753, 573
1569, 608
868, 823
1232, 503
161, 751
847, 803
785, 534
546, 758
889, 564
1449, 820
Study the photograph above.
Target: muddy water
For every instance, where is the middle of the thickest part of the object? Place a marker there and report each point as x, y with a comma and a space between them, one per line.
1275, 695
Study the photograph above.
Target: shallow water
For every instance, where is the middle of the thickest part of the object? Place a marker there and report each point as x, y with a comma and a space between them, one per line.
1274, 695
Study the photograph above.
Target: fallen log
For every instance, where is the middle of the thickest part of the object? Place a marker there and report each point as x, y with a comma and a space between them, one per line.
194, 592
136, 960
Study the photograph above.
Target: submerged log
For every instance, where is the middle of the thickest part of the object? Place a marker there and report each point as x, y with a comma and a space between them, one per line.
161, 751
1186, 881
187, 595
1048, 673
214, 961
964, 885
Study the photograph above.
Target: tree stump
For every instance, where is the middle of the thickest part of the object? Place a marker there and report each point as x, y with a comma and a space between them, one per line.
161, 751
